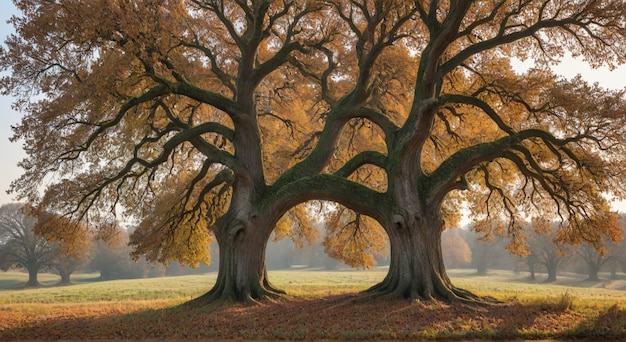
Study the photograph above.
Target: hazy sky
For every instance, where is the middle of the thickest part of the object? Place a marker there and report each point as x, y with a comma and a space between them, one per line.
12, 152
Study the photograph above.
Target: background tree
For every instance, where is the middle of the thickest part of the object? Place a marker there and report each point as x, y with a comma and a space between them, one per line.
20, 246
489, 254
111, 256
594, 260
65, 265
532, 262
618, 250
71, 241
546, 249
354, 239
489, 246
456, 251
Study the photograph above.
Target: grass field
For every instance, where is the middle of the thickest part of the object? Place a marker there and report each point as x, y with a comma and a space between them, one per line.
321, 305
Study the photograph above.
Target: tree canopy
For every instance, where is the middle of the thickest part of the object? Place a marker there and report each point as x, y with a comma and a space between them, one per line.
211, 119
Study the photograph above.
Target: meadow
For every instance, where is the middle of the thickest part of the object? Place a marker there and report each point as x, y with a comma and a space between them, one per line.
320, 305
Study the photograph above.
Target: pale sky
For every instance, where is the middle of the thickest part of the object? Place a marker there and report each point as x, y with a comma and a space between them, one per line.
12, 153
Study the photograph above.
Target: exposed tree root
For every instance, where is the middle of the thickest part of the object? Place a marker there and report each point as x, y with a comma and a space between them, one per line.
221, 293
390, 291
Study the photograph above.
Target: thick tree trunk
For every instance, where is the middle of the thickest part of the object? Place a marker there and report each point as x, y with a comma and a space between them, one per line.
32, 277
531, 261
65, 277
551, 267
593, 274
594, 263
242, 275
416, 270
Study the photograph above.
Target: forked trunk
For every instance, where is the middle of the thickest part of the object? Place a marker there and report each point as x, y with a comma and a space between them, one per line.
242, 275
416, 270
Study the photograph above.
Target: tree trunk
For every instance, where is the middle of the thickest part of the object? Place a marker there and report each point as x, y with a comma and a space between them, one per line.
594, 265
106, 273
65, 277
32, 277
593, 274
242, 275
481, 269
531, 268
551, 266
531, 261
416, 269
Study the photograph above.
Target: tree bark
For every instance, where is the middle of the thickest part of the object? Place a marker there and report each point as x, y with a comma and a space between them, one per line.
594, 263
242, 275
532, 262
593, 274
551, 267
416, 269
65, 277
32, 276
531, 269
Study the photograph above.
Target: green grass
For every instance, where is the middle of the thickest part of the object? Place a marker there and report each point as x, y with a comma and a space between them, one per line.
17, 280
507, 286
320, 283
301, 283
87, 288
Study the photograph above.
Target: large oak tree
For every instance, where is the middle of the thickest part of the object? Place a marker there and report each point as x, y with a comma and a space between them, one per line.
211, 118
513, 145
71, 242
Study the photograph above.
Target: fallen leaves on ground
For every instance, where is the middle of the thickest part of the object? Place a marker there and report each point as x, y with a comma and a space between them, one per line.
333, 317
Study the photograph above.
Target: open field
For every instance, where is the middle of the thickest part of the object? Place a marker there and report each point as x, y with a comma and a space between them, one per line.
321, 305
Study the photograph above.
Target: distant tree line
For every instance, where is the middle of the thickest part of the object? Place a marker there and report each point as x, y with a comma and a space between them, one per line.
24, 246
544, 253
477, 246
